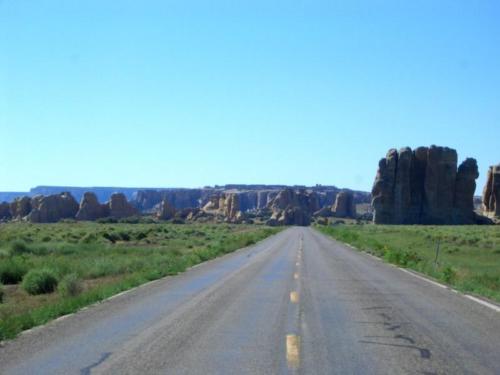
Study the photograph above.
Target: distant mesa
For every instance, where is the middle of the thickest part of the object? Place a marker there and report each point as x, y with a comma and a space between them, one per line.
424, 186
491, 193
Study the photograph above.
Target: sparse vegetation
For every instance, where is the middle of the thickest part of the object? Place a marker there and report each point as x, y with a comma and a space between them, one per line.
70, 285
93, 261
468, 257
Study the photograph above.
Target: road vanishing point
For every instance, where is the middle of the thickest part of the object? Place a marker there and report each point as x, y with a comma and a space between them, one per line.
295, 303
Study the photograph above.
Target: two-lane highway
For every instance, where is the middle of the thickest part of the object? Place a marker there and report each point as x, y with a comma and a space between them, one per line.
297, 302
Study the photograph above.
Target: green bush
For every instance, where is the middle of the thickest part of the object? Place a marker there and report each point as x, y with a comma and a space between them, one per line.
449, 274
12, 271
19, 247
112, 237
40, 281
1, 292
70, 285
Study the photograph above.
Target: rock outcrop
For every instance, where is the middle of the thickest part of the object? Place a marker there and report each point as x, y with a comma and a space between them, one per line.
344, 205
91, 209
291, 207
423, 186
52, 208
20, 207
165, 211
465, 186
491, 192
5, 211
119, 207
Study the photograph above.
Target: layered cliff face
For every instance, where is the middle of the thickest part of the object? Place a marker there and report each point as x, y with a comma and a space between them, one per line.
491, 192
145, 200
423, 186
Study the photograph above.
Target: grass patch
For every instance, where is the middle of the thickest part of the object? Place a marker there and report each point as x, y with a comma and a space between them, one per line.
468, 258
94, 261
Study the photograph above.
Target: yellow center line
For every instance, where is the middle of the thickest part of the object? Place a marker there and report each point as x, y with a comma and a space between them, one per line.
296, 275
292, 351
294, 297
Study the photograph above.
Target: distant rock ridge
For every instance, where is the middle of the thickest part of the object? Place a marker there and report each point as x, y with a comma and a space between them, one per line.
424, 186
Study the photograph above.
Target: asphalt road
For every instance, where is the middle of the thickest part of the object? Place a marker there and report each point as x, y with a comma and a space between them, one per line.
297, 302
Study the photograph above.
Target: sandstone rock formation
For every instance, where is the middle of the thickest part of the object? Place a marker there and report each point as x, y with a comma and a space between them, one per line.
52, 208
344, 205
291, 207
165, 211
91, 209
465, 186
20, 207
119, 207
232, 206
491, 192
423, 187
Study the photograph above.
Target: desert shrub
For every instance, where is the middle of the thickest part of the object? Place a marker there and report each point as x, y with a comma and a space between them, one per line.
70, 285
141, 235
130, 220
2, 291
177, 221
449, 274
112, 237
124, 236
40, 281
12, 271
402, 258
19, 247
107, 220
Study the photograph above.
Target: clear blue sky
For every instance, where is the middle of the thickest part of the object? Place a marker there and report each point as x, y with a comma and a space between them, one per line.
185, 93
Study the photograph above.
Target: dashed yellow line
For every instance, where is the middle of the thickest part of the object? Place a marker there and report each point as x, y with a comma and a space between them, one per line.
294, 297
293, 351
296, 275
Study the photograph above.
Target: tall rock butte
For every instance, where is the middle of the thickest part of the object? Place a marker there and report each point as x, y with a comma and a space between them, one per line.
424, 186
491, 192
344, 205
